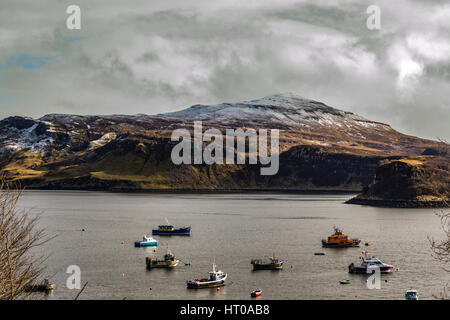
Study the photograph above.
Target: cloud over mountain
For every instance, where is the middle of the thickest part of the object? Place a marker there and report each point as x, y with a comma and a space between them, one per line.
157, 56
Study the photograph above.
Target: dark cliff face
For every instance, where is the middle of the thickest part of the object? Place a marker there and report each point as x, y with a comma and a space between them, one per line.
303, 165
413, 181
136, 163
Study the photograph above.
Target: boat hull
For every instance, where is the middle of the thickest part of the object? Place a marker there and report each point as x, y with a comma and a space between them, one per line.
362, 270
176, 232
278, 266
326, 244
138, 244
206, 284
161, 264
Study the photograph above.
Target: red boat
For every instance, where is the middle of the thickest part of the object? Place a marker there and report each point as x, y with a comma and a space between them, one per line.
256, 293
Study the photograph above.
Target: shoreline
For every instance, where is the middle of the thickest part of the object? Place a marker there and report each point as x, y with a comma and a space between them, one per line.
202, 191
391, 203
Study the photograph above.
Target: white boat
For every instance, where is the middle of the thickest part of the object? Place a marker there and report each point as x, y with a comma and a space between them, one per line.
216, 279
146, 242
369, 265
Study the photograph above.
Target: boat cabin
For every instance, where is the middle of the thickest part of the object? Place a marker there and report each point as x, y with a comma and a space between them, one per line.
166, 227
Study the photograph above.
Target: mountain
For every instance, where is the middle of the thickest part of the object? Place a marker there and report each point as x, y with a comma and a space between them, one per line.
321, 148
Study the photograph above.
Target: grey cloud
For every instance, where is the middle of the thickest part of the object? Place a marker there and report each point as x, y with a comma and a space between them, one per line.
158, 56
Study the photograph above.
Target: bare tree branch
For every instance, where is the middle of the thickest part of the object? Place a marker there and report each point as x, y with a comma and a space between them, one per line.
19, 234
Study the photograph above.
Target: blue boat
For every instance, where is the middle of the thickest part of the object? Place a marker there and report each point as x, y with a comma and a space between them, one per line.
146, 242
170, 230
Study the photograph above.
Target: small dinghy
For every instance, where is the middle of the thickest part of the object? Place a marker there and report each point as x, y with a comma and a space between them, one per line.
256, 293
411, 295
146, 242
345, 281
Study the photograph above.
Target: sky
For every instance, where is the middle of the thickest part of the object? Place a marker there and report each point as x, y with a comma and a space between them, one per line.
151, 57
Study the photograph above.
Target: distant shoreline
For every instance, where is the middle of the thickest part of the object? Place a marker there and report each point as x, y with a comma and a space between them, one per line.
390, 203
202, 191
387, 203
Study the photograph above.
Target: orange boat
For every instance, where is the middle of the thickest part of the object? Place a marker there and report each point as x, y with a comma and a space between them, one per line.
340, 240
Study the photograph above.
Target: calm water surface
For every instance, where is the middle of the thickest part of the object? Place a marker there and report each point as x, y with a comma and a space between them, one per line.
232, 229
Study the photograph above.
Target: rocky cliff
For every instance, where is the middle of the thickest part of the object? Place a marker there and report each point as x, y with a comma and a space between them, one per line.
422, 181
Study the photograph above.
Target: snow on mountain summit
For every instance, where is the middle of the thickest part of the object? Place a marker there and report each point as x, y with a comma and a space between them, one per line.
287, 108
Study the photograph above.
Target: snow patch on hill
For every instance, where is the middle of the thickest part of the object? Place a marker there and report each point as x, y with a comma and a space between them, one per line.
287, 108
28, 139
105, 139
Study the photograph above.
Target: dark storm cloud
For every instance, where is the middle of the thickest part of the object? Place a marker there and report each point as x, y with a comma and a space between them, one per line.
157, 56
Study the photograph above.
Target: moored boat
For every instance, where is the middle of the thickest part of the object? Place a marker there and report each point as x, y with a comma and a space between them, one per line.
170, 230
370, 265
256, 293
168, 261
271, 264
146, 242
216, 279
340, 240
411, 295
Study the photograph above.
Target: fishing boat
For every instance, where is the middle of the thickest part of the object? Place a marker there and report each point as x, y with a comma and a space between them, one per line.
271, 264
256, 293
170, 230
146, 242
216, 279
411, 295
370, 265
168, 261
340, 240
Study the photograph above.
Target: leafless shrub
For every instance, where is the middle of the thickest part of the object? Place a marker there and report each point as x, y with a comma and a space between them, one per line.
441, 249
19, 234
